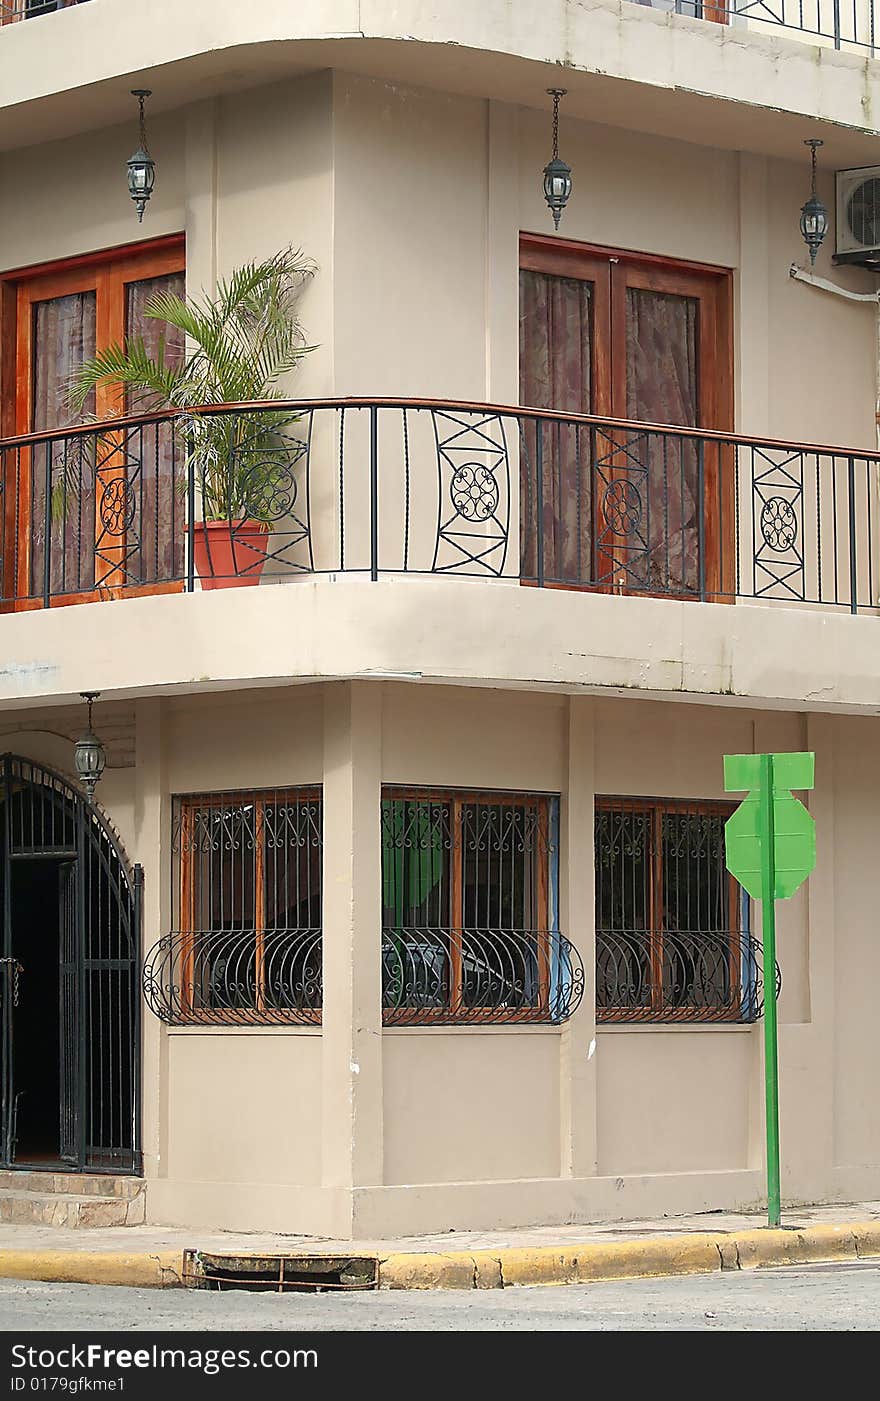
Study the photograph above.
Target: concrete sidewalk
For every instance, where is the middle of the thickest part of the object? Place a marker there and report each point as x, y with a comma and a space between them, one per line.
146, 1255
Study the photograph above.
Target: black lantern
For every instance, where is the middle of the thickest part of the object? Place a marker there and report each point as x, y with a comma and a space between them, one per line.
557, 175
141, 166
814, 215
88, 753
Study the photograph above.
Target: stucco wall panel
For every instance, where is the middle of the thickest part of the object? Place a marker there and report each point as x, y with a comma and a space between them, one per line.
245, 741
856, 943
244, 1108
673, 1101
473, 739
464, 1107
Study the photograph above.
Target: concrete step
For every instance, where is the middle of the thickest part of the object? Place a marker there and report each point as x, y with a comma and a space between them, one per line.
80, 1184
22, 1206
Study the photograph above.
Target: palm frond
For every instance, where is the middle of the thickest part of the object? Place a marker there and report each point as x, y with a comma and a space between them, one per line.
240, 344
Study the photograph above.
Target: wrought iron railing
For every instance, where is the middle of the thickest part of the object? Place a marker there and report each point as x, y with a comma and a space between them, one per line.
377, 487
438, 977
839, 24
483, 976
239, 977
679, 976
30, 9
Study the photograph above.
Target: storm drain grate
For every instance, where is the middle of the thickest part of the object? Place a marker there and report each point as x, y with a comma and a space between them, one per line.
279, 1274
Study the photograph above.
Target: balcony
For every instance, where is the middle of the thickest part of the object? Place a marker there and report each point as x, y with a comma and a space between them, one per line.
373, 488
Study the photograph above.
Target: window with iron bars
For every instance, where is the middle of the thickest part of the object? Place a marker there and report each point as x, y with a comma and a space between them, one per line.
469, 910
247, 902
672, 933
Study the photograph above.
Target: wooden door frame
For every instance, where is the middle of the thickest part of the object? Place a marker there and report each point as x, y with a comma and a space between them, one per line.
711, 284
107, 273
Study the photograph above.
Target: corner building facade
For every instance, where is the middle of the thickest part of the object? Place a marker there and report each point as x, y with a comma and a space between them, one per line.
401, 906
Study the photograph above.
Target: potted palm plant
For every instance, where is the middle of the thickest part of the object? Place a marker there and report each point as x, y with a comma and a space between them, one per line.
240, 344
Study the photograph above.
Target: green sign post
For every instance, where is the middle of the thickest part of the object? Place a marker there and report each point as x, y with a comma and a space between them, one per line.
770, 845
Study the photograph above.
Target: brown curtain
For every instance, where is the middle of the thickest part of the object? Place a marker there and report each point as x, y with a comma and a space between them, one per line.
555, 356
155, 542
62, 471
662, 387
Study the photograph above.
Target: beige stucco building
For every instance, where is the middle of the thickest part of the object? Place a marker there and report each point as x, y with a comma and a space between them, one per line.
402, 907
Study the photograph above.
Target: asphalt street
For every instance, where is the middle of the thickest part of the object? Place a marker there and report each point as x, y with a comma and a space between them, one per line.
818, 1297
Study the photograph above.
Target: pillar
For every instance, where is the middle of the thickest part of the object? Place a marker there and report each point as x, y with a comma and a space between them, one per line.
352, 1149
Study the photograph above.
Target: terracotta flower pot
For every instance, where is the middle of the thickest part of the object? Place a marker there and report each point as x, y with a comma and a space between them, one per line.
230, 554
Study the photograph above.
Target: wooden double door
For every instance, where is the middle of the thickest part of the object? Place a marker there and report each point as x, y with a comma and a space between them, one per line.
93, 514
637, 341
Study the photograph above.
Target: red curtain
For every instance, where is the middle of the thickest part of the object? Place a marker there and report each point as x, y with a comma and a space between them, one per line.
64, 336
662, 387
555, 356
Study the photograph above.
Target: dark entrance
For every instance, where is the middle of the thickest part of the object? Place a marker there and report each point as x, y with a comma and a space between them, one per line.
69, 1007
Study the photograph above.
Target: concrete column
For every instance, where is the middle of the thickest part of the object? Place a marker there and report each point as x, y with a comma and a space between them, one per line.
201, 174
502, 254
578, 1087
752, 310
352, 1148
817, 1065
152, 825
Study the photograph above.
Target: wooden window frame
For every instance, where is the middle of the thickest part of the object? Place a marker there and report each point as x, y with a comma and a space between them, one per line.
457, 799
259, 798
107, 272
611, 272
658, 808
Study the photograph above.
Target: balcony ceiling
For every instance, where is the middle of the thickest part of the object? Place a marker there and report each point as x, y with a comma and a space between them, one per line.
624, 65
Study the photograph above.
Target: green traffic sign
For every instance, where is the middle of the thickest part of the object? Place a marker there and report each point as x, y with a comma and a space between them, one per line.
794, 831
770, 847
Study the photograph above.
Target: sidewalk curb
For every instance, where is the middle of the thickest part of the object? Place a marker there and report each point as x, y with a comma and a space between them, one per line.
156, 1269
645, 1258
693, 1253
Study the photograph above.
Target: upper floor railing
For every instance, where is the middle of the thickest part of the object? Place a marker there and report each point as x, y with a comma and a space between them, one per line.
261, 493
837, 24
30, 9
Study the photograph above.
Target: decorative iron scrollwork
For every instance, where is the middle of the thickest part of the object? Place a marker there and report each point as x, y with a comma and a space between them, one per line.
676, 975
622, 506
117, 506
779, 525
241, 977
474, 492
479, 976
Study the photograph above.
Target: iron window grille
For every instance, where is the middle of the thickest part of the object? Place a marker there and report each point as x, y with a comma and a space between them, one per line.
469, 893
672, 925
246, 890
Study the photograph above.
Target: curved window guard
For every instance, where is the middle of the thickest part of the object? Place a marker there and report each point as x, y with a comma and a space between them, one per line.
273, 977
679, 976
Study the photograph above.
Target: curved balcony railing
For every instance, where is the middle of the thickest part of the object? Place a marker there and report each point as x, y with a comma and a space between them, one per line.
429, 976
409, 487
679, 976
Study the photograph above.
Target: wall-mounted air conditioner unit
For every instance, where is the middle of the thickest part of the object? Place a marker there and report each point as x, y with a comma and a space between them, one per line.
858, 216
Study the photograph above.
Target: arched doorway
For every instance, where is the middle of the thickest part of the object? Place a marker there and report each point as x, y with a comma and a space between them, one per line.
69, 980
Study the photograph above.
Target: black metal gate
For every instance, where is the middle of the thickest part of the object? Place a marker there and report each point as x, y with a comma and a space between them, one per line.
72, 1032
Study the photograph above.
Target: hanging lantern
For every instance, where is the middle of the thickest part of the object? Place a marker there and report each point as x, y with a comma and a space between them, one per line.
88, 754
814, 215
557, 175
141, 166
